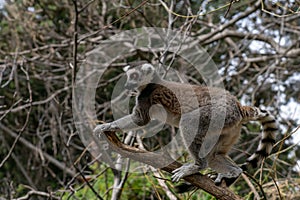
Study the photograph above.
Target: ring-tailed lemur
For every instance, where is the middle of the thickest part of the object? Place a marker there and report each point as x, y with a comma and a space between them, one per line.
175, 98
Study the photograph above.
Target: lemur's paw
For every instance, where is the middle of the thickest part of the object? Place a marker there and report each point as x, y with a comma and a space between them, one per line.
184, 170
103, 127
228, 181
229, 178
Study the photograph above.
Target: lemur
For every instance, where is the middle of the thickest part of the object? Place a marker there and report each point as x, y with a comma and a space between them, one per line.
175, 98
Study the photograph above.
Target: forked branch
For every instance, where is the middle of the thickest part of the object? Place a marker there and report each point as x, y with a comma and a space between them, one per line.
155, 160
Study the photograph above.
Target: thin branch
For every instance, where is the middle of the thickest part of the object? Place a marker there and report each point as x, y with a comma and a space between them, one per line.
116, 21
88, 183
32, 147
277, 188
256, 195
45, 47
257, 183
161, 181
229, 7
26, 120
37, 193
204, 38
85, 6
75, 38
12, 110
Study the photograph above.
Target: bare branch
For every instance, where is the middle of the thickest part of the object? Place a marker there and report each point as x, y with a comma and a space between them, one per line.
156, 160
32, 147
37, 193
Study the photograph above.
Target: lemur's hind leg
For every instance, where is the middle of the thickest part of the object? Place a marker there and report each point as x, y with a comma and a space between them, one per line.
192, 134
226, 168
189, 168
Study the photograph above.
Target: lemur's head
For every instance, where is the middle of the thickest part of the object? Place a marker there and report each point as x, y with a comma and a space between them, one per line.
139, 76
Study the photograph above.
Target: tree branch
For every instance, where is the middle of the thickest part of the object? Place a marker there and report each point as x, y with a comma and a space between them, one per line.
51, 159
155, 160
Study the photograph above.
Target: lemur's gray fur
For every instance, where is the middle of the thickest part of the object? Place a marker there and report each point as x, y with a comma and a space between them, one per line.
178, 100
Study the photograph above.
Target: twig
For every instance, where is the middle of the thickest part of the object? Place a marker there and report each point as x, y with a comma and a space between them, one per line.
85, 6
88, 183
117, 20
257, 183
32, 147
11, 110
229, 7
119, 181
161, 181
26, 120
277, 188
75, 37
19, 165
191, 16
256, 195
39, 193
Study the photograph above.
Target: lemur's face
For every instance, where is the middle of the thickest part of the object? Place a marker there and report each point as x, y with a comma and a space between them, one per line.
139, 76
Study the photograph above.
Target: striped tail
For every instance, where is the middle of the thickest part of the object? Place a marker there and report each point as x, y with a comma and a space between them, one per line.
268, 136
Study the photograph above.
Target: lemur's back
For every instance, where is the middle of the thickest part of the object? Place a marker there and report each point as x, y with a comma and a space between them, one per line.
178, 98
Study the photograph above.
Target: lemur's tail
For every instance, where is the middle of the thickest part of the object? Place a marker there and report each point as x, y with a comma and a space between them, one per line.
268, 136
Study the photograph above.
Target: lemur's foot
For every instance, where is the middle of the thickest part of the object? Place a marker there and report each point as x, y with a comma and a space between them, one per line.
229, 177
185, 170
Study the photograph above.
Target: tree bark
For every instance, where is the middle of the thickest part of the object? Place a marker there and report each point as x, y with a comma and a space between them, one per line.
155, 160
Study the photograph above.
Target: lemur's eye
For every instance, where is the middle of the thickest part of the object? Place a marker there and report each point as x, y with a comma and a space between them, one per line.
134, 76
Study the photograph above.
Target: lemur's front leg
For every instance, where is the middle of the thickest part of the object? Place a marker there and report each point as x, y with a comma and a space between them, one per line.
124, 124
139, 118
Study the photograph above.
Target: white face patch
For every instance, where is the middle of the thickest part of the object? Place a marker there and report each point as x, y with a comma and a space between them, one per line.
147, 73
139, 76
147, 67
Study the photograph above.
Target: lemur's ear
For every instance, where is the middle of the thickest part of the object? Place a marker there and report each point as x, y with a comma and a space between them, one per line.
126, 68
147, 68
